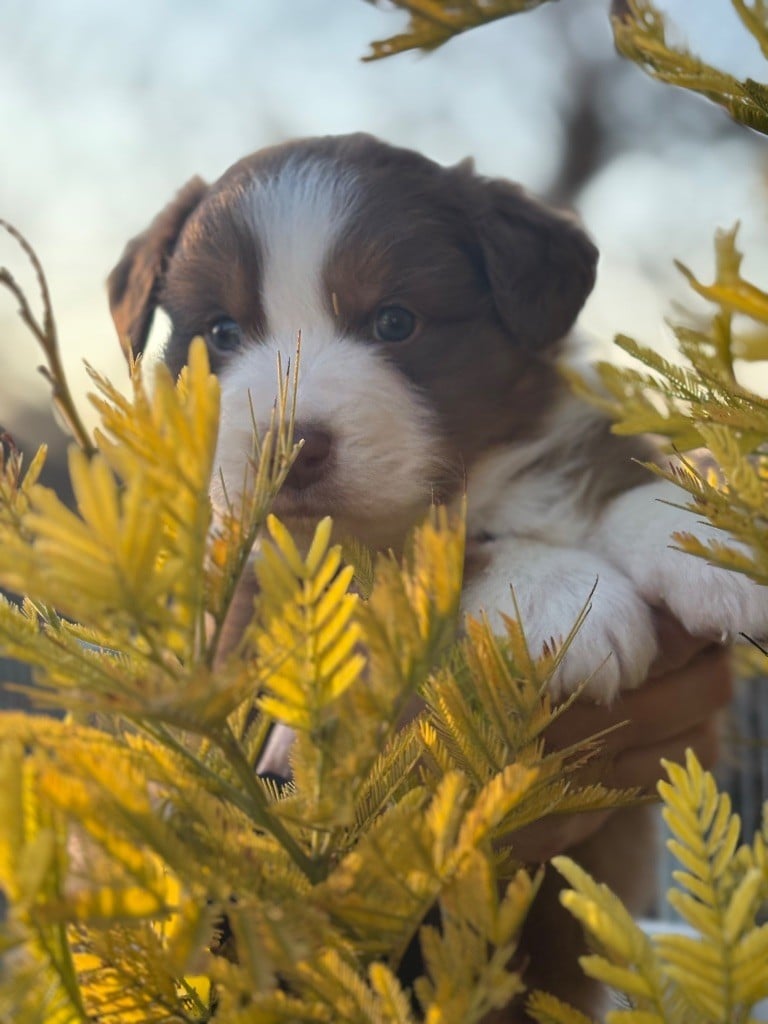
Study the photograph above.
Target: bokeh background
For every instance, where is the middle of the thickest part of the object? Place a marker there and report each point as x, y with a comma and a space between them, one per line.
107, 108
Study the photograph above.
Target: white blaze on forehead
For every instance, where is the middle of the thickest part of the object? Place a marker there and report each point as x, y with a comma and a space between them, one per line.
386, 447
297, 214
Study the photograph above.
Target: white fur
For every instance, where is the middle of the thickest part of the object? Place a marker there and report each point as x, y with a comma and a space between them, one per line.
385, 448
635, 534
551, 554
540, 526
616, 644
508, 494
297, 215
386, 451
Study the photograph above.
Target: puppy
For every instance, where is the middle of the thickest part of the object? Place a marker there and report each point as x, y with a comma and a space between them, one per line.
433, 306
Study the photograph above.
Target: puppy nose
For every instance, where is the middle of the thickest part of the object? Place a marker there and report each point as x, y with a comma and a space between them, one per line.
313, 460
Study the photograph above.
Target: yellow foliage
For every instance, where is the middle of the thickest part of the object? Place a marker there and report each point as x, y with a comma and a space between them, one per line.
434, 22
140, 842
717, 973
640, 36
307, 643
703, 405
138, 837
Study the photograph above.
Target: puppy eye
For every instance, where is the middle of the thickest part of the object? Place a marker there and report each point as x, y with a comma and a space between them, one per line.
393, 323
224, 335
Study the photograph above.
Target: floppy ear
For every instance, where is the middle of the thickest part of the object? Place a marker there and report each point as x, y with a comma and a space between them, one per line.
134, 285
540, 264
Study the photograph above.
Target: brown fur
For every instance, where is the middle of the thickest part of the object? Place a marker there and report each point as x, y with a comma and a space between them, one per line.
135, 282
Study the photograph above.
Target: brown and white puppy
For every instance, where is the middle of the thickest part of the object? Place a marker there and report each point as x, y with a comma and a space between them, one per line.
433, 305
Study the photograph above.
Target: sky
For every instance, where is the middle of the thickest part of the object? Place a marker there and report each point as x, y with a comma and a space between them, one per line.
107, 108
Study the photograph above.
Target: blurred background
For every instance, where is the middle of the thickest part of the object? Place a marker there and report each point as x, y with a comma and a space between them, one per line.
107, 108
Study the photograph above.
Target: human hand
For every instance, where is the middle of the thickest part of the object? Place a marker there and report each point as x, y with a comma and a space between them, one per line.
677, 708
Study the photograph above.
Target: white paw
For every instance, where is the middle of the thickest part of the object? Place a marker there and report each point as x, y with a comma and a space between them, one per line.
709, 601
613, 649
615, 645
636, 535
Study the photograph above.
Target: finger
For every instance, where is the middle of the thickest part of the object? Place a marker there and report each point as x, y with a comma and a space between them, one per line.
553, 835
676, 645
641, 768
679, 701
671, 704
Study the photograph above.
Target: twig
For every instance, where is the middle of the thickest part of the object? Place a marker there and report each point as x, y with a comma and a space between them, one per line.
47, 337
754, 643
259, 809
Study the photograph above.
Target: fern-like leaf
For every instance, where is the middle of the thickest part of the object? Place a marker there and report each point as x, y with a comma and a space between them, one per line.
433, 22
640, 35
308, 643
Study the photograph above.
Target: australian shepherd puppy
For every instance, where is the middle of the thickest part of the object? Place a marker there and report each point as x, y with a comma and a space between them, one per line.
433, 306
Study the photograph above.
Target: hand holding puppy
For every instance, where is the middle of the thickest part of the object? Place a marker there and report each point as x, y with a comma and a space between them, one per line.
679, 706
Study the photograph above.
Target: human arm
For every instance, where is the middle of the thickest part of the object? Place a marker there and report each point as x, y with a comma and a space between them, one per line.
678, 707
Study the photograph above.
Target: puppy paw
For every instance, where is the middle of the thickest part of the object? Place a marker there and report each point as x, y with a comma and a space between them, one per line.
707, 600
616, 643
613, 649
636, 535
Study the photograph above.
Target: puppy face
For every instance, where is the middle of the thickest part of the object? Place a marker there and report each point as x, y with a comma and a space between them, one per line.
428, 301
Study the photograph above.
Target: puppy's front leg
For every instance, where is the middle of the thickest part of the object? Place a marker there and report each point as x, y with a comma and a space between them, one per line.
635, 532
615, 645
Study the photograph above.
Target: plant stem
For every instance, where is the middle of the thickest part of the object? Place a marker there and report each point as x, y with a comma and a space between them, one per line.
47, 337
259, 809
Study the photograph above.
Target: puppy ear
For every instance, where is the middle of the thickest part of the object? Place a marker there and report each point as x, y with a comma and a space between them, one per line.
540, 264
134, 285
